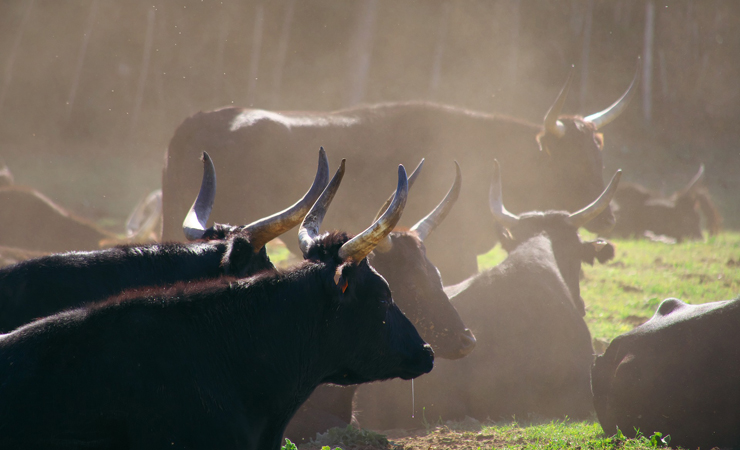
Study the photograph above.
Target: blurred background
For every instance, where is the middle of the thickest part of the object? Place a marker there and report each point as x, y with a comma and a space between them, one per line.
91, 91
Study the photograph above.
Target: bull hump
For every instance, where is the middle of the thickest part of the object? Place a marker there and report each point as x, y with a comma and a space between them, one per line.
669, 305
251, 117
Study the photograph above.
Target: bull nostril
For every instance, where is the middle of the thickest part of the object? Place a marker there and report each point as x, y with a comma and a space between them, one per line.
467, 341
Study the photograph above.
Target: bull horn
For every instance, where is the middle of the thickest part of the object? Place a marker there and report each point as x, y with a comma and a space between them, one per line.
585, 215
425, 226
309, 229
609, 114
194, 225
699, 175
264, 230
552, 124
495, 201
412, 178
361, 245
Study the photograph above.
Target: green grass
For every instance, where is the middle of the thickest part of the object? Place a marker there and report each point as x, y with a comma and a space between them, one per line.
626, 291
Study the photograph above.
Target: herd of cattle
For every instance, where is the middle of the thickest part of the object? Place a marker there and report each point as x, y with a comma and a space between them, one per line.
206, 344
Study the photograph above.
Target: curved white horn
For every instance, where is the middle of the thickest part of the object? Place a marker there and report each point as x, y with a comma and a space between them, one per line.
609, 114
309, 229
412, 179
194, 225
425, 226
552, 124
266, 229
585, 215
699, 175
496, 203
361, 245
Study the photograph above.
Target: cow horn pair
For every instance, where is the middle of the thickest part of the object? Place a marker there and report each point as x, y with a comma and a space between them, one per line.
599, 119
576, 219
426, 225
361, 245
261, 231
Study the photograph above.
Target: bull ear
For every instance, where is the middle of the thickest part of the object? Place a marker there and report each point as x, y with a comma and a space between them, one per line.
194, 225
340, 280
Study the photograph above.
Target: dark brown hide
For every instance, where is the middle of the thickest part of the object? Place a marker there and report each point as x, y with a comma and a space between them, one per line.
533, 352
31, 221
678, 373
566, 174
678, 216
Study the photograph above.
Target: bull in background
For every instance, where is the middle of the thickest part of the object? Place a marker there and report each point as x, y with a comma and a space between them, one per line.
678, 373
557, 164
641, 211
31, 221
417, 290
201, 365
533, 352
46, 285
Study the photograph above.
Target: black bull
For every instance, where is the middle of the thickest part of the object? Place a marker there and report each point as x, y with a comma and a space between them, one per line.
564, 171
678, 373
200, 365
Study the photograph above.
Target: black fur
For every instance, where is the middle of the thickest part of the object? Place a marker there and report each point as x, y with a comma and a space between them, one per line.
216, 364
43, 286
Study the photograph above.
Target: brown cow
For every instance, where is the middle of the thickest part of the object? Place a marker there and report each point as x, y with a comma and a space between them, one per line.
557, 164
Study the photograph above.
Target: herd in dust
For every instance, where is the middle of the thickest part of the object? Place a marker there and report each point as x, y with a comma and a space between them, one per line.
152, 342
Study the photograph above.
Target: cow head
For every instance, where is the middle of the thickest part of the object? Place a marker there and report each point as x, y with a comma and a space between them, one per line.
386, 344
245, 245
417, 285
561, 229
572, 148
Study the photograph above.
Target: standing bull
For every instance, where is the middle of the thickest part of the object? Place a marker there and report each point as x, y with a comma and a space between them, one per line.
417, 289
678, 373
43, 286
677, 217
557, 164
533, 352
216, 364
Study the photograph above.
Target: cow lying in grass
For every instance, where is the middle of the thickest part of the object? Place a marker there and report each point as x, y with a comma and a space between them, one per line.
533, 354
216, 364
43, 286
677, 217
678, 373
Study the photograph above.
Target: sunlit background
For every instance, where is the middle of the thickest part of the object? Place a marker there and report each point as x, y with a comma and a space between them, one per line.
91, 91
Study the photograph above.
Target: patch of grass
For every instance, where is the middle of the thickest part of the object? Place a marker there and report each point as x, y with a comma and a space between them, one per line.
532, 435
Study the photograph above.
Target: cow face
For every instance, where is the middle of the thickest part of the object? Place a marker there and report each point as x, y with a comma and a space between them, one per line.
417, 288
384, 343
575, 164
